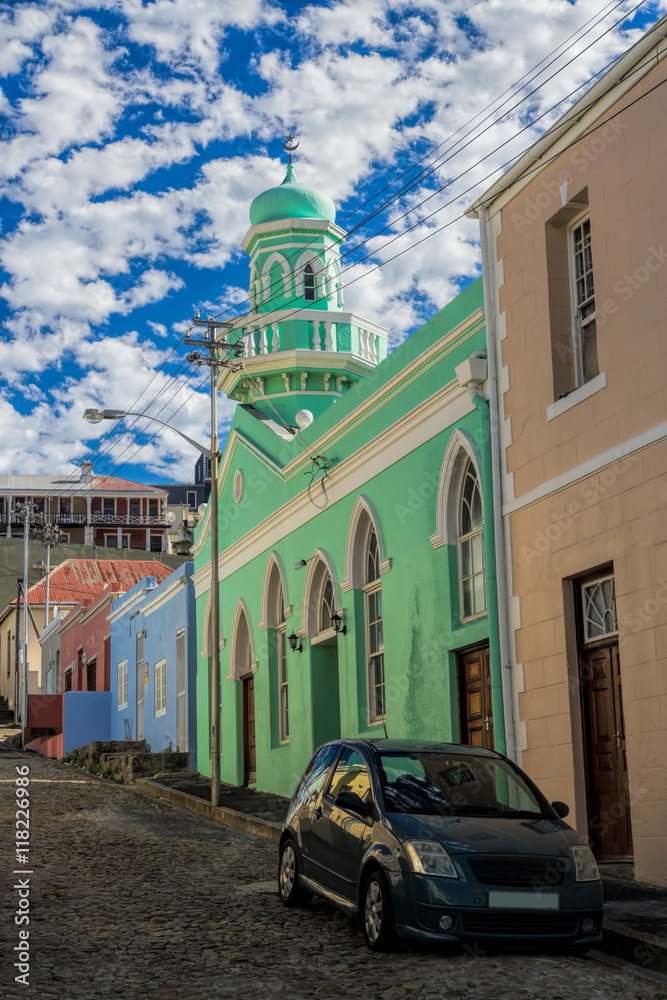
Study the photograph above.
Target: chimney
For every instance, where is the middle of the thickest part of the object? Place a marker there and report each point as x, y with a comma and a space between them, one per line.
86, 472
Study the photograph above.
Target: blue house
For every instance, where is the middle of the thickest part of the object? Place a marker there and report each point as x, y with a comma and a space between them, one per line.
153, 654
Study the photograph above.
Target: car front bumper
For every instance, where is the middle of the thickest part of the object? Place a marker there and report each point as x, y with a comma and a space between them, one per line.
420, 902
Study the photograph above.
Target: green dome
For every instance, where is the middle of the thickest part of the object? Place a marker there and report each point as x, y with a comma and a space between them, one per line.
291, 200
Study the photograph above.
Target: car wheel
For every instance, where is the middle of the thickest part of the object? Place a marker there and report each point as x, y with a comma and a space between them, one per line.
378, 913
289, 889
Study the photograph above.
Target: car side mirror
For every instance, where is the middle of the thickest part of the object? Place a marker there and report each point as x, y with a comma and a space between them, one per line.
561, 809
353, 802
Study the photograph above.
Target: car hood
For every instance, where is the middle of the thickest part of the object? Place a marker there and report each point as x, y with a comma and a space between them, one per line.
485, 835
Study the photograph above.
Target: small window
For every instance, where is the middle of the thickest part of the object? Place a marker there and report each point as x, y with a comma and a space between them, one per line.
91, 675
65, 505
309, 283
191, 499
160, 688
108, 506
326, 604
156, 543
374, 629
153, 508
599, 608
122, 684
135, 507
471, 546
583, 294
68, 680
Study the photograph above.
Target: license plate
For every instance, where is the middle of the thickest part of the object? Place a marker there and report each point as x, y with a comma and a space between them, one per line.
525, 900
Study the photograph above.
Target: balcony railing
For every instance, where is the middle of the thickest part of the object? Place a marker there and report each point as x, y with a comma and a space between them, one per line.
82, 519
123, 519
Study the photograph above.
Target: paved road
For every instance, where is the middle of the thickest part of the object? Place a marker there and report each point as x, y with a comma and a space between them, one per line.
134, 899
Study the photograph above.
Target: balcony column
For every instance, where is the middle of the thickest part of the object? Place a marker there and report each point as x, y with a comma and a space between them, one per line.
148, 539
119, 537
127, 509
10, 511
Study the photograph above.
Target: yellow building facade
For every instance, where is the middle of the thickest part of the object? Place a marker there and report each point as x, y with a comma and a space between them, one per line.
576, 271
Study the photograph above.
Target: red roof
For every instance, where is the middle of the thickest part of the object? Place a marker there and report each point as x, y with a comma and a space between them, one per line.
115, 485
82, 579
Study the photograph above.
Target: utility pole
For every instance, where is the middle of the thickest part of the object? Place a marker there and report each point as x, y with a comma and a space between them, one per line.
17, 649
50, 536
25, 512
214, 361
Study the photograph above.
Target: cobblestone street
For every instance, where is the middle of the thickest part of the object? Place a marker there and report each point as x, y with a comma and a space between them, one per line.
135, 899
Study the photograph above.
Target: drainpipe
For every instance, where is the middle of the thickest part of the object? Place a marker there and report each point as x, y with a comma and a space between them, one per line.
472, 373
499, 526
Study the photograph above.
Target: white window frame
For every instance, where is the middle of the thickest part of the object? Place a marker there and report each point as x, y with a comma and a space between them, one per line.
462, 539
374, 657
122, 685
192, 504
589, 585
283, 682
160, 693
576, 307
114, 534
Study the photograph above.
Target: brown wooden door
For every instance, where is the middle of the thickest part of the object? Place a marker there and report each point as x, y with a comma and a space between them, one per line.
475, 697
249, 758
609, 821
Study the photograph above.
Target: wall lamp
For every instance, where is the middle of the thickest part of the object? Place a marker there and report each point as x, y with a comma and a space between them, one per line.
293, 639
303, 562
338, 624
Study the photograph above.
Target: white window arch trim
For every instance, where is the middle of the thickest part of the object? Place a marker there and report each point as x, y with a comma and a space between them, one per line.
309, 613
266, 291
273, 560
466, 539
459, 451
237, 670
356, 541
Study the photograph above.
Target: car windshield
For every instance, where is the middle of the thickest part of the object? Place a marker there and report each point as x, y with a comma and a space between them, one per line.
451, 784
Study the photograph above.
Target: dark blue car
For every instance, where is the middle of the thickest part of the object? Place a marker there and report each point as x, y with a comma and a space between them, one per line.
437, 842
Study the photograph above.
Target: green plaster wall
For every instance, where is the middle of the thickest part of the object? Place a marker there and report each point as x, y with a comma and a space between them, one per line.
422, 630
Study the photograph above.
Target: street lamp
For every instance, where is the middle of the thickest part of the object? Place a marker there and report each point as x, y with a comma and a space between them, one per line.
94, 416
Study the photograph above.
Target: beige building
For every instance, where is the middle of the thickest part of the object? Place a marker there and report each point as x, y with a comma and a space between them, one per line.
575, 243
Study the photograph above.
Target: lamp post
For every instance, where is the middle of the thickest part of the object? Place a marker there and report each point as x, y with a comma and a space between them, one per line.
232, 352
95, 416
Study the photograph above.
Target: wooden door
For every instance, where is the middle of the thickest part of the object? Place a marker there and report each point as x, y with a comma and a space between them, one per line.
475, 697
609, 821
249, 757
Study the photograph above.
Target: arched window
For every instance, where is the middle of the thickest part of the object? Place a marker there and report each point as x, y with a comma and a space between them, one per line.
276, 618
374, 628
242, 645
309, 283
326, 603
470, 545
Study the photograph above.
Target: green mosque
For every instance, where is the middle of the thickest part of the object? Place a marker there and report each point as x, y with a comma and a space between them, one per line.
357, 579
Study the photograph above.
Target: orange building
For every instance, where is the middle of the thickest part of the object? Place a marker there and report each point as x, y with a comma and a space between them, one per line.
576, 287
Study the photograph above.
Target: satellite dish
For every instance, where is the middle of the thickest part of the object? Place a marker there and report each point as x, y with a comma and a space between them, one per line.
304, 418
201, 508
171, 517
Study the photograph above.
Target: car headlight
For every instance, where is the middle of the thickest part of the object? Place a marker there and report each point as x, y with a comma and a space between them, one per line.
428, 857
585, 865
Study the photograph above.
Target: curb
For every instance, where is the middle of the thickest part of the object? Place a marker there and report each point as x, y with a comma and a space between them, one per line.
266, 828
642, 950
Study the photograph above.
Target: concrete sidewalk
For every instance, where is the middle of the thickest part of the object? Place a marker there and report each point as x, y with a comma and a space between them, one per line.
635, 915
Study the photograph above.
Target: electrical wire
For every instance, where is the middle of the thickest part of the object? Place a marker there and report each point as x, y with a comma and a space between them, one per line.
442, 160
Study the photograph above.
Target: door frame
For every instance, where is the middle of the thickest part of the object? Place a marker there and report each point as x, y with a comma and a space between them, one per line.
583, 648
486, 694
249, 775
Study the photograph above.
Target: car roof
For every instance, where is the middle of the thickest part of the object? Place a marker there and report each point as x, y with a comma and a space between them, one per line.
419, 746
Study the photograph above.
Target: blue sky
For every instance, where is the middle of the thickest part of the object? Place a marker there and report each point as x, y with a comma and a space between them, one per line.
137, 132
